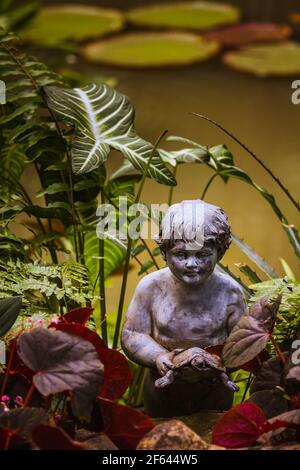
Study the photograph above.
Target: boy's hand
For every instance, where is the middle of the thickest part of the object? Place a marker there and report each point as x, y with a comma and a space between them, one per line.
164, 362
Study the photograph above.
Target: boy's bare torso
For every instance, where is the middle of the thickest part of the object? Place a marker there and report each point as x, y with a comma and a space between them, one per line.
184, 316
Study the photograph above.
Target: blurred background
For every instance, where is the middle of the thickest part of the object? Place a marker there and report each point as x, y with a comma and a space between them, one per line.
239, 75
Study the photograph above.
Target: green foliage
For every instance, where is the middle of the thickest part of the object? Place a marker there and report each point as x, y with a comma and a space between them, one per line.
44, 288
9, 311
288, 320
103, 119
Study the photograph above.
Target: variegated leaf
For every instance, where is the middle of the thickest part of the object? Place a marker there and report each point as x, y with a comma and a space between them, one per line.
188, 155
104, 118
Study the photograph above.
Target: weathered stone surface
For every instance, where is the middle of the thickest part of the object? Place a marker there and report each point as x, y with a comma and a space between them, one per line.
94, 441
201, 423
172, 435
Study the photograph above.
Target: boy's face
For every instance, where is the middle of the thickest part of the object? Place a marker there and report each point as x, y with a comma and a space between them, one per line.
193, 267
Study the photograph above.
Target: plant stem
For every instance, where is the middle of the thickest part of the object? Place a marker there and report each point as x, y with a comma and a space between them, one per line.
208, 185
29, 395
128, 252
278, 350
102, 285
171, 190
150, 253
249, 380
256, 158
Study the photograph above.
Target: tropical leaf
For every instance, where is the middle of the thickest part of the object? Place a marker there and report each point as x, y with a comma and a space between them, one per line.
104, 118
188, 155
251, 253
222, 163
9, 311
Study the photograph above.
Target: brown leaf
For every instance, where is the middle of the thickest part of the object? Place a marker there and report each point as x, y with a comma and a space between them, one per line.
269, 376
246, 340
251, 334
272, 402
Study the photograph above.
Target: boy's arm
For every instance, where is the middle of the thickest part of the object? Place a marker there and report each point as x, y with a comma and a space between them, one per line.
236, 308
135, 339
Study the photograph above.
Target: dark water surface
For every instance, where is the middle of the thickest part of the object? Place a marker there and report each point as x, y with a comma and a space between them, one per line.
258, 111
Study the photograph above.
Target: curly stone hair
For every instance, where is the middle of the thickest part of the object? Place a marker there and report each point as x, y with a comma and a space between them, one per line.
217, 230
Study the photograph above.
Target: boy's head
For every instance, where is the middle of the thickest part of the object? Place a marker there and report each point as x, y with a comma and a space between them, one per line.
193, 236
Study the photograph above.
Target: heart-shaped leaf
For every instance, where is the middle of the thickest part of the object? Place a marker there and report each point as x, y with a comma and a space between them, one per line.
239, 427
103, 119
117, 374
251, 334
9, 311
52, 438
124, 425
63, 362
246, 340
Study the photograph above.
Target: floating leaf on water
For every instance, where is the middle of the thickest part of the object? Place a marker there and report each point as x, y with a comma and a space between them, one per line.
151, 50
246, 33
266, 60
60, 23
190, 15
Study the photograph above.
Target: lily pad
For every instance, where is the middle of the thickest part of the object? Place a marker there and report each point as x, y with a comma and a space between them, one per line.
61, 23
266, 60
190, 15
151, 50
243, 34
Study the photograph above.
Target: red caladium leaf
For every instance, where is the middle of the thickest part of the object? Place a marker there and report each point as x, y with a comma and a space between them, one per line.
52, 438
247, 33
251, 334
117, 374
82, 331
124, 425
16, 365
63, 362
78, 315
239, 427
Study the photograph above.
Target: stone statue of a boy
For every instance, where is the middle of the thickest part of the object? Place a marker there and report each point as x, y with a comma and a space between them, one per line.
183, 308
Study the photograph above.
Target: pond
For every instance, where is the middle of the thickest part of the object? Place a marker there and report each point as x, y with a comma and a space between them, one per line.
258, 111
